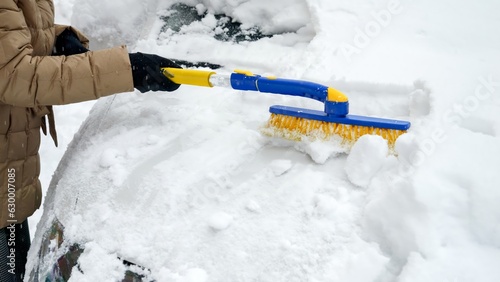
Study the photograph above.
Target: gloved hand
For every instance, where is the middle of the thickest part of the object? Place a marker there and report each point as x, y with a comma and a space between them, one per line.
67, 43
147, 75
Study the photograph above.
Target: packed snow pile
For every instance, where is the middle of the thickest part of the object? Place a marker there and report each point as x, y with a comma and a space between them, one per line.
185, 185
365, 159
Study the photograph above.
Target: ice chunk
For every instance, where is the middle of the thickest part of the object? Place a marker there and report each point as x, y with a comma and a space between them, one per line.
220, 221
367, 156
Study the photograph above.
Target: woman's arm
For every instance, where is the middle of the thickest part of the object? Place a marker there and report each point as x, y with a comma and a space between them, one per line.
28, 81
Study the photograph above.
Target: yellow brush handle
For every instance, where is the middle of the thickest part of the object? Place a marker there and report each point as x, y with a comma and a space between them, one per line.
189, 76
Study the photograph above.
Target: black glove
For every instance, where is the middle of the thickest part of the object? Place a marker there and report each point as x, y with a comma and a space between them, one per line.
147, 74
67, 43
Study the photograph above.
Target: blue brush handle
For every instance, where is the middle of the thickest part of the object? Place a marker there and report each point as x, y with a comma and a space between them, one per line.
242, 81
347, 119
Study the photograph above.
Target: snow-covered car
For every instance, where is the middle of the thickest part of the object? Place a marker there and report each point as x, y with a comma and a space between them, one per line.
184, 186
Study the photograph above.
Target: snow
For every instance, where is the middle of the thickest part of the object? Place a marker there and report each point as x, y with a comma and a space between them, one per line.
186, 185
220, 221
365, 159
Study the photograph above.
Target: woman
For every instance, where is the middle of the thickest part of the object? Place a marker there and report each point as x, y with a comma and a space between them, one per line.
43, 64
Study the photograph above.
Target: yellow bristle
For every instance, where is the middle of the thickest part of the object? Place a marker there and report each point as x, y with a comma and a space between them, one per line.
296, 129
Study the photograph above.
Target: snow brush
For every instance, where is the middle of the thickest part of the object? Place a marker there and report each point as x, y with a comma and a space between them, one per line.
296, 123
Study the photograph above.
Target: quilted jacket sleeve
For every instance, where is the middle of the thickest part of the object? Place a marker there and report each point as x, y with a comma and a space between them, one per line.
29, 81
60, 28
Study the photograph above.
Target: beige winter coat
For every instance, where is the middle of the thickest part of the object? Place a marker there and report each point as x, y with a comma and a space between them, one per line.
30, 82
